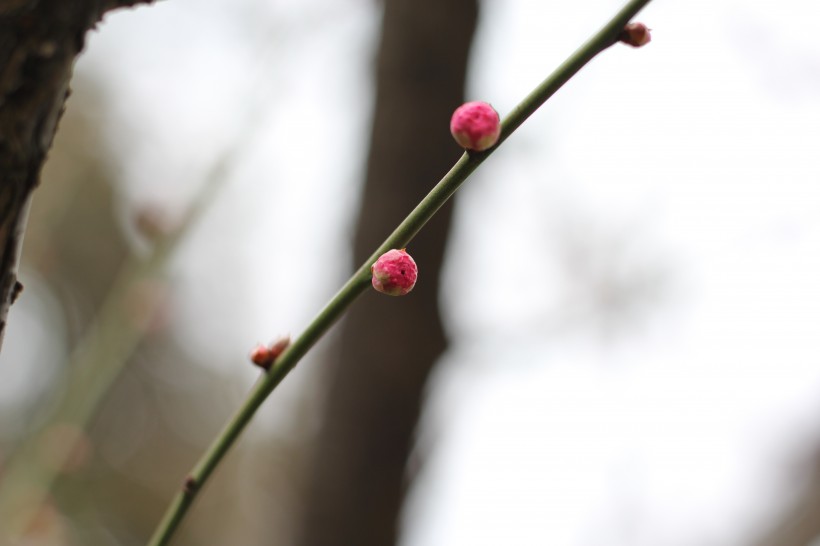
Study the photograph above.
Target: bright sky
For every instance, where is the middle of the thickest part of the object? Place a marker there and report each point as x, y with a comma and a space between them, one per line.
685, 174
691, 165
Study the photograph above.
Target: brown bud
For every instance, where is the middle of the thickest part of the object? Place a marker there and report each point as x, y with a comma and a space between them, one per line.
635, 34
190, 485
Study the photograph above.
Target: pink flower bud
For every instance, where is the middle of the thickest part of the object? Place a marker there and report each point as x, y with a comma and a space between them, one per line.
475, 126
636, 35
394, 273
262, 356
265, 355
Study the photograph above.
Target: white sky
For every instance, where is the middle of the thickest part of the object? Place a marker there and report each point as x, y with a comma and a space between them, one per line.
685, 173
692, 161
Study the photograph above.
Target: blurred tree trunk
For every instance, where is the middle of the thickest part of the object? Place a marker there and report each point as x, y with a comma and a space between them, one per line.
799, 522
40, 40
388, 346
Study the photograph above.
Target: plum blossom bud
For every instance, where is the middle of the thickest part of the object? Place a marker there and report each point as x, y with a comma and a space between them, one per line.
475, 126
265, 355
394, 273
261, 356
636, 35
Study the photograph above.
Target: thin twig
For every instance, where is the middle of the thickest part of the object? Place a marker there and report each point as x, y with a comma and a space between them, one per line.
360, 280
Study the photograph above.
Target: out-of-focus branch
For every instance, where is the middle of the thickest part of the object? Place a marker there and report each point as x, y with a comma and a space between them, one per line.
41, 39
102, 353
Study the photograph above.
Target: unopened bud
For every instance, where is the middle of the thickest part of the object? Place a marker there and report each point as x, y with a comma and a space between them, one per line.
261, 356
265, 355
394, 273
475, 126
635, 34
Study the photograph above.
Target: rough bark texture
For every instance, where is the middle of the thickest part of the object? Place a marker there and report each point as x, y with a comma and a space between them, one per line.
389, 345
39, 40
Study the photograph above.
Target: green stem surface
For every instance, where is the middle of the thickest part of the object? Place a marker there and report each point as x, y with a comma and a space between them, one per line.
360, 281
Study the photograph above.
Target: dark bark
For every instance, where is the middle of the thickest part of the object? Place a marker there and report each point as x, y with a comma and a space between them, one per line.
389, 345
39, 40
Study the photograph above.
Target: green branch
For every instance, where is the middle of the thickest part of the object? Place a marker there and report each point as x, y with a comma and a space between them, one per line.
360, 281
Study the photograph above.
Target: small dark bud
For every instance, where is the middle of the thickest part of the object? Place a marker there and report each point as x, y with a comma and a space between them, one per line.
635, 34
190, 486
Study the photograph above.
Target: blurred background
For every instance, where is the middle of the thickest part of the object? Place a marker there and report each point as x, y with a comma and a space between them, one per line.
613, 341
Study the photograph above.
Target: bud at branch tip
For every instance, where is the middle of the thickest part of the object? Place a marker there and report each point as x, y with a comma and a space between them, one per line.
635, 34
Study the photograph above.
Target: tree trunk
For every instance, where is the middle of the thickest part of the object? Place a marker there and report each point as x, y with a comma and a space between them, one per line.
389, 345
39, 40
799, 522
